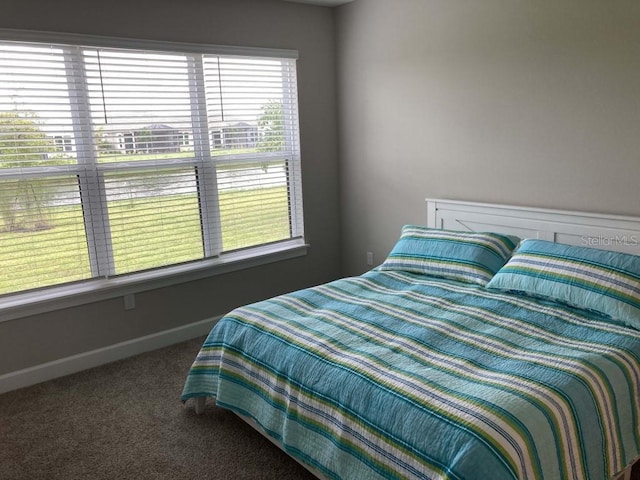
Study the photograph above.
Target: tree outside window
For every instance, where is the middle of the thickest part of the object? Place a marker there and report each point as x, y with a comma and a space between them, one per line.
23, 144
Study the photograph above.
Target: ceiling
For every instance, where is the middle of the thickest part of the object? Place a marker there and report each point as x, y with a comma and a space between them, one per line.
323, 3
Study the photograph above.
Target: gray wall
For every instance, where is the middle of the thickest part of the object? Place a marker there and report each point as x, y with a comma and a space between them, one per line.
522, 102
261, 23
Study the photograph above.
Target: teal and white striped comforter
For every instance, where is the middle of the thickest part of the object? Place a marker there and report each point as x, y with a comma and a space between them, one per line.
396, 375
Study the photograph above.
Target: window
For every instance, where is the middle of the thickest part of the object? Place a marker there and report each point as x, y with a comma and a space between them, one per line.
117, 160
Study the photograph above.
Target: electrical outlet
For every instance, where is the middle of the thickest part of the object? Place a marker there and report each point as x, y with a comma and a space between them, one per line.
370, 258
129, 301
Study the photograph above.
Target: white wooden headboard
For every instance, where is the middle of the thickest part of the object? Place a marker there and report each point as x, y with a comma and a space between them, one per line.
607, 232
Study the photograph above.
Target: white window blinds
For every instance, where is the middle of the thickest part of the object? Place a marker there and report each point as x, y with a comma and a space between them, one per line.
115, 161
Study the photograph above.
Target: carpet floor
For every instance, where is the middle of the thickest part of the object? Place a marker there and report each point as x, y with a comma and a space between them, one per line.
125, 421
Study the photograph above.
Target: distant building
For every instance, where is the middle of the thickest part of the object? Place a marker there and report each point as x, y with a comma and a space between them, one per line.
237, 135
162, 138
63, 143
155, 138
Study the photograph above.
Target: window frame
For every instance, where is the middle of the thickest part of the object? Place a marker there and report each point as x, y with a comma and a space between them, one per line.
51, 298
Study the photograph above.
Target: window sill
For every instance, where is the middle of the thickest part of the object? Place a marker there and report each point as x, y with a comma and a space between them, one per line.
56, 298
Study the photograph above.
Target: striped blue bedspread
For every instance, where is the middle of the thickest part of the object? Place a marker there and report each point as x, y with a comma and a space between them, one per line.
397, 375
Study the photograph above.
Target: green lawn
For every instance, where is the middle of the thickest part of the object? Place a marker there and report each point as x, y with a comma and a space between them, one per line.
144, 235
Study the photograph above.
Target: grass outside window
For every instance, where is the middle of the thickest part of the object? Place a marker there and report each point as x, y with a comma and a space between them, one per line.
56, 260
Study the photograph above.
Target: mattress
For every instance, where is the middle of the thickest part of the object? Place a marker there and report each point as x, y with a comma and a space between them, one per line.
397, 375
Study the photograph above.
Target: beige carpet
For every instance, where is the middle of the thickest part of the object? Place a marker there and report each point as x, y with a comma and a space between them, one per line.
125, 421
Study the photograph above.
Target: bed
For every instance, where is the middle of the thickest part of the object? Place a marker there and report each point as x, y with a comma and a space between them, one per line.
464, 355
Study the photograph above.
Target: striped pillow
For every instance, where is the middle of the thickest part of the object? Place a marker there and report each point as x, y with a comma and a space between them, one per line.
587, 278
463, 256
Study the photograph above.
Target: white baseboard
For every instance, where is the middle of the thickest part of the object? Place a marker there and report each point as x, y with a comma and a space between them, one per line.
94, 358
